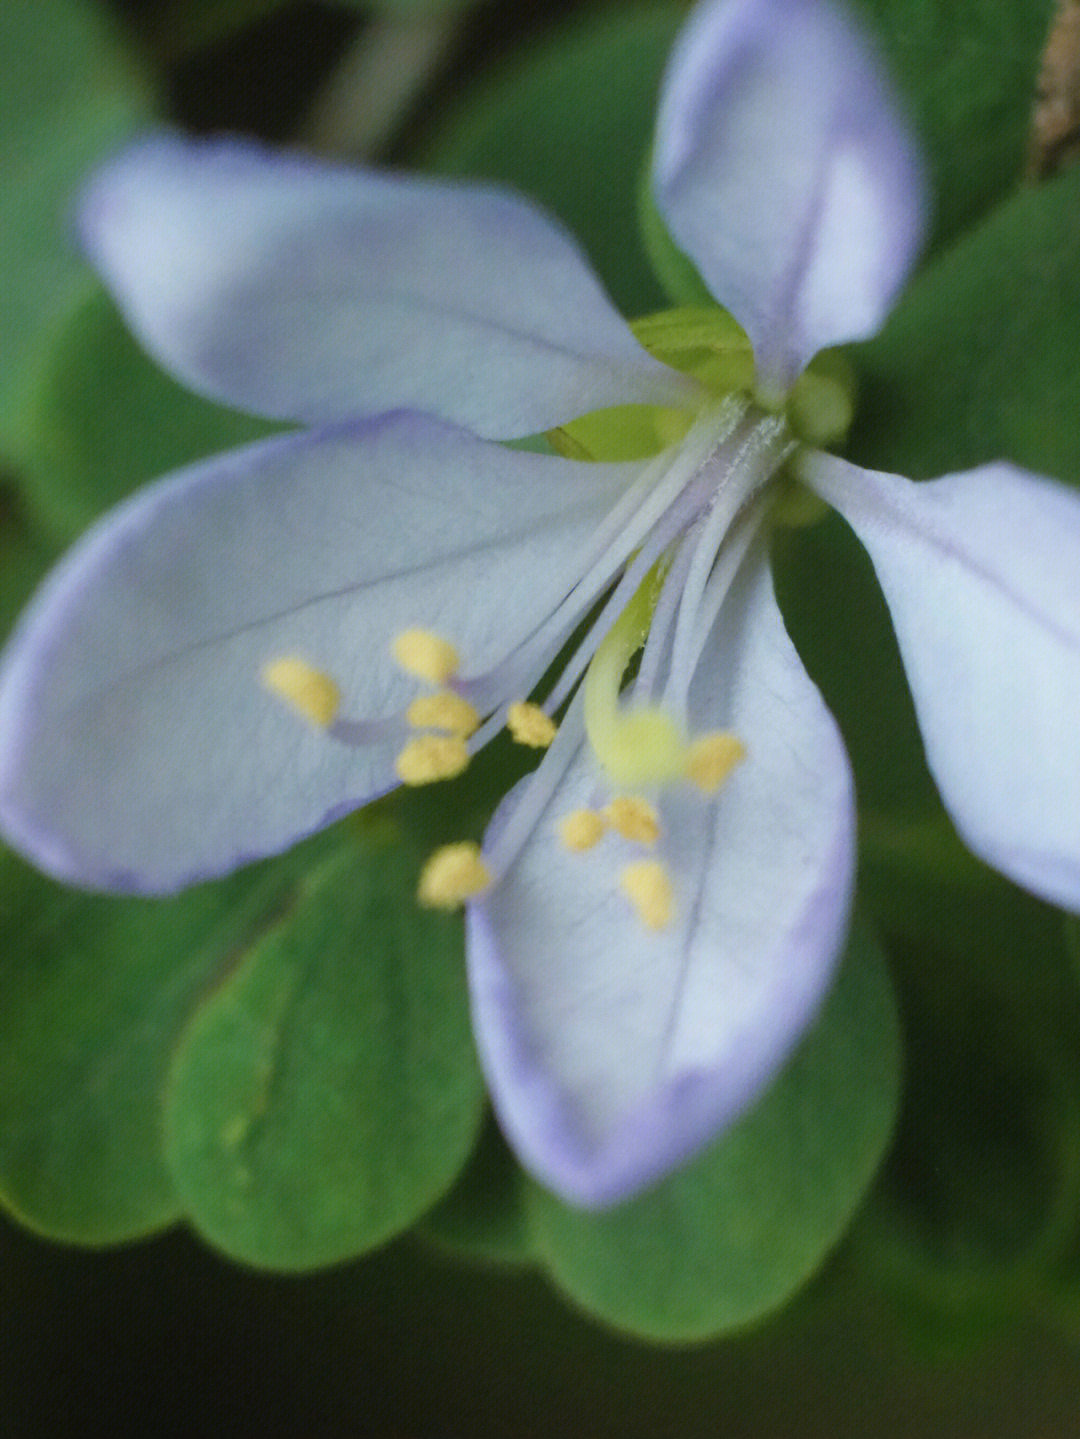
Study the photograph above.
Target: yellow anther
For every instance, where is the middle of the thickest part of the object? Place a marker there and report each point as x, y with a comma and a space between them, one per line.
431, 757
530, 725
634, 818
446, 711
452, 875
711, 758
648, 888
311, 692
425, 655
581, 829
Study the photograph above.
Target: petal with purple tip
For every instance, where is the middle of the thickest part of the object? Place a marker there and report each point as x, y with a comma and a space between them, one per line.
784, 171
613, 1052
139, 749
310, 291
981, 573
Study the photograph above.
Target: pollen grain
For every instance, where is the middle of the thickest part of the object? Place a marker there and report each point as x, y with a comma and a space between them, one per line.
443, 711
311, 692
431, 757
426, 655
453, 874
529, 725
711, 758
647, 885
634, 818
581, 829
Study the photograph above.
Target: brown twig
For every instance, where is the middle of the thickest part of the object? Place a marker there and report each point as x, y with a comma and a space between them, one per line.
1055, 119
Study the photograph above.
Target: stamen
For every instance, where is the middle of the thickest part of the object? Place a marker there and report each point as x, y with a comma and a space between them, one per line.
453, 874
444, 711
311, 692
762, 447
653, 511
431, 757
581, 829
647, 886
426, 655
504, 843
634, 818
711, 758
737, 542
529, 725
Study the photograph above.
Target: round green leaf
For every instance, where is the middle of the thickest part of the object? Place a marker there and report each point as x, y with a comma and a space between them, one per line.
69, 96
483, 1218
734, 1234
25, 555
980, 1201
837, 618
92, 993
104, 418
326, 1093
570, 125
980, 360
968, 74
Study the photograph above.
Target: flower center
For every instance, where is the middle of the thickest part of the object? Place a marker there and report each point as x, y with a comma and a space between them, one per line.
659, 566
640, 747
645, 745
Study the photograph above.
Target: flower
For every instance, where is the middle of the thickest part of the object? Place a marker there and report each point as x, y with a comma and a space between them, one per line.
655, 913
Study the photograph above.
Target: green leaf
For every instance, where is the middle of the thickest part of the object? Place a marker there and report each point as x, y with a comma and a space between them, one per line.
570, 125
981, 1198
123, 1020
981, 360
104, 418
733, 1235
968, 73
68, 98
92, 992
483, 1218
837, 618
25, 555
326, 1092
1070, 924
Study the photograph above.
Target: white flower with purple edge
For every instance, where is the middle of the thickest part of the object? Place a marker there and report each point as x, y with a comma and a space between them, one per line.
634, 987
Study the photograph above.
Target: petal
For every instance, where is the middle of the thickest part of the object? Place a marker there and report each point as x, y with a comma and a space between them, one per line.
139, 749
311, 291
784, 171
613, 1052
981, 572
